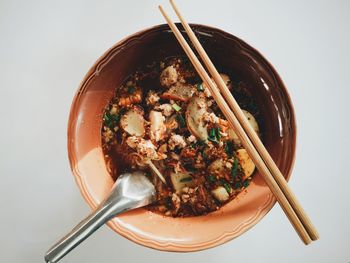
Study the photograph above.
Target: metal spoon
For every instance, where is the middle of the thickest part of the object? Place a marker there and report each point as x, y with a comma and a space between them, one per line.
130, 191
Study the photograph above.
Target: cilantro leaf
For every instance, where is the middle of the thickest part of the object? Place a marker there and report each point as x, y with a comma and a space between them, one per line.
234, 169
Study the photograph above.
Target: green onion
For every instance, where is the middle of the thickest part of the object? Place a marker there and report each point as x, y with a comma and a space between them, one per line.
186, 179
106, 117
111, 120
212, 178
116, 117
234, 169
214, 135
246, 183
218, 134
229, 148
131, 89
200, 143
227, 188
200, 87
238, 185
180, 119
176, 107
226, 185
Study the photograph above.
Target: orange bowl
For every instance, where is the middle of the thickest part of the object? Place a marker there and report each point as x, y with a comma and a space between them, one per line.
84, 139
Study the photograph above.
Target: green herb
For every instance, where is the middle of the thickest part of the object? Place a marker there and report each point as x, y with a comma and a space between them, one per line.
176, 107
234, 169
181, 120
214, 135
238, 185
200, 87
198, 143
227, 188
226, 185
185, 179
111, 120
106, 117
212, 178
131, 89
229, 148
246, 183
218, 134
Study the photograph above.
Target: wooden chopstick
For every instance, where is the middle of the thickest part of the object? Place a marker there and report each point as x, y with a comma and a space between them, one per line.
248, 129
241, 134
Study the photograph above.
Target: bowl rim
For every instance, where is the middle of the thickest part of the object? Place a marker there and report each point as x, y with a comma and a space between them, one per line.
174, 247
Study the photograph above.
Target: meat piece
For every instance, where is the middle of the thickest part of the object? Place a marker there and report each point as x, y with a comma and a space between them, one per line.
166, 109
191, 139
168, 76
218, 167
176, 141
188, 152
133, 122
144, 147
180, 180
179, 91
253, 123
171, 124
158, 128
220, 194
128, 99
152, 98
246, 162
195, 111
107, 134
210, 117
163, 148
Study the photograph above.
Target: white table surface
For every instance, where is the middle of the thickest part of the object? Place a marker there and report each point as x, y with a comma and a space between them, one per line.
46, 47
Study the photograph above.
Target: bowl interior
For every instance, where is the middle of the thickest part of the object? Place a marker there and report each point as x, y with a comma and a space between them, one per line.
234, 57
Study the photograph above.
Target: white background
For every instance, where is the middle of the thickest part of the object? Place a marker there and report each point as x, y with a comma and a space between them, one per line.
46, 47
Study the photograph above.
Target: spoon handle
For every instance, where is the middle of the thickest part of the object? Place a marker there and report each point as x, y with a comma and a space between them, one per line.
84, 229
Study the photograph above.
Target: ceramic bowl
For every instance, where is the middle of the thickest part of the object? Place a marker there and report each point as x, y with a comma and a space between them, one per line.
86, 156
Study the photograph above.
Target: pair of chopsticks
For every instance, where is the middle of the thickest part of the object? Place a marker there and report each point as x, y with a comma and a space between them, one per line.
250, 140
